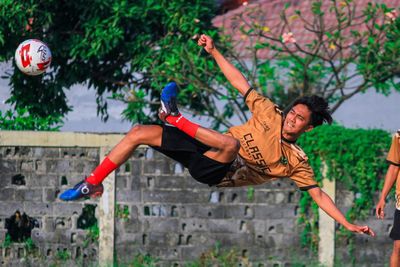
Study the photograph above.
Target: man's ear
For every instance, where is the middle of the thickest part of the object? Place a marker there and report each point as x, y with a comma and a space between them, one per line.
309, 128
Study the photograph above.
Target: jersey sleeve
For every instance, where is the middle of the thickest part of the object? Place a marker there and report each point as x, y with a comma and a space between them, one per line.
304, 177
393, 156
258, 103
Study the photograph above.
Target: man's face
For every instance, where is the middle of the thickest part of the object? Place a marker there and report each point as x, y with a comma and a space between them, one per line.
297, 121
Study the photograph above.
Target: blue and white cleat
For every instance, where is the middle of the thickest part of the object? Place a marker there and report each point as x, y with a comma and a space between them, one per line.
168, 100
81, 190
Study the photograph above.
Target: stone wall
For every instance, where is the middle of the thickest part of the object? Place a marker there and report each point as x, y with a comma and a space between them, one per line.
159, 210
367, 251
176, 219
30, 180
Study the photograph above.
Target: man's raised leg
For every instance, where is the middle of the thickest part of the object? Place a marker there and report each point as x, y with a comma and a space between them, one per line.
224, 147
91, 186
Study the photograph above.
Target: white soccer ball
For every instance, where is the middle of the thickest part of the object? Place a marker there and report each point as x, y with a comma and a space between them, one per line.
33, 57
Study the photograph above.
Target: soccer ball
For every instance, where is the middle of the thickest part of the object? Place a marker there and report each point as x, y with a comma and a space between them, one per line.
33, 57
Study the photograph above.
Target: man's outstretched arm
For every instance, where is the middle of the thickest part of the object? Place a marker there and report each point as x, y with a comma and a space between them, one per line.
234, 76
390, 178
326, 204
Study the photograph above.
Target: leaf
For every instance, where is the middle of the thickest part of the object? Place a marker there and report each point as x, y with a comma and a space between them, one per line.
329, 35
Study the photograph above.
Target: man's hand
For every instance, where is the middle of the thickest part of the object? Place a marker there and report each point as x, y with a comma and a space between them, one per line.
234, 76
326, 203
206, 42
380, 209
360, 229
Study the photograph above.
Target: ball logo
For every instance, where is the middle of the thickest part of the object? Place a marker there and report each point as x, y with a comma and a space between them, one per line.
24, 53
42, 52
43, 65
85, 190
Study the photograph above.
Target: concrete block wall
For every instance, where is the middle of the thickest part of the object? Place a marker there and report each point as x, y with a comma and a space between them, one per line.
159, 210
175, 219
368, 252
30, 180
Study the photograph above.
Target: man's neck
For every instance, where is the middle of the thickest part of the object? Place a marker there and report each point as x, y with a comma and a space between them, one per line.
289, 140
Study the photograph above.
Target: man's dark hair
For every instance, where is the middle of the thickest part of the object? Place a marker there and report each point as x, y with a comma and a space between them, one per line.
319, 108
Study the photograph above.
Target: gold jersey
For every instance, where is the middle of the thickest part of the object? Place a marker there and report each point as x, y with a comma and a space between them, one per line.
264, 155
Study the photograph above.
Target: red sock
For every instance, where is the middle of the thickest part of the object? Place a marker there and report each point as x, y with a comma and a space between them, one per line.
183, 124
101, 171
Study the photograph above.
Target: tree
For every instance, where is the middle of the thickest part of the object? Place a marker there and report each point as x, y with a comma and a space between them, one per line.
131, 49
128, 48
335, 49
20, 119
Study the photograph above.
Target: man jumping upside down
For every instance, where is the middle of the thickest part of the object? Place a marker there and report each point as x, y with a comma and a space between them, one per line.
256, 152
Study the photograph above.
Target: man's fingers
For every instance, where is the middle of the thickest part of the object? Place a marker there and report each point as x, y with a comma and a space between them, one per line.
200, 40
367, 230
380, 213
363, 230
370, 232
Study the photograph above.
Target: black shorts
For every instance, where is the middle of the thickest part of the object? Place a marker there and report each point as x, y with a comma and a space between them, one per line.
189, 152
395, 233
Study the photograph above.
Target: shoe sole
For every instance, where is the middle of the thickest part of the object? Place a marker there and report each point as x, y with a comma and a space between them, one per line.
96, 195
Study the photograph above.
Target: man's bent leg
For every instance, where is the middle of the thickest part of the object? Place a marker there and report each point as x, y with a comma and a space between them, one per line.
190, 153
224, 148
138, 135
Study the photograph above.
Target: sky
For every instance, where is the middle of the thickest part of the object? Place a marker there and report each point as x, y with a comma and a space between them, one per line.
369, 110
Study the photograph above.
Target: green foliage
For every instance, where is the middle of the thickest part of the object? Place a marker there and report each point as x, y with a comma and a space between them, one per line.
129, 49
63, 255
22, 120
122, 212
308, 220
220, 257
94, 232
250, 193
88, 221
92, 236
353, 157
29, 245
31, 249
379, 66
144, 261
340, 45
7, 241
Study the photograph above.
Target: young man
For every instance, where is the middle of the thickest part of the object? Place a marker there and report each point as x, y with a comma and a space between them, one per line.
258, 151
392, 175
